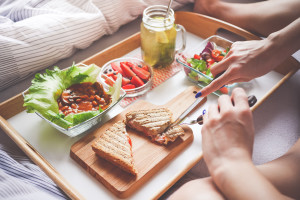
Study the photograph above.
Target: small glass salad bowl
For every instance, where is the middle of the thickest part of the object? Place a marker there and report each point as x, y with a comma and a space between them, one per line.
47, 90
197, 61
137, 77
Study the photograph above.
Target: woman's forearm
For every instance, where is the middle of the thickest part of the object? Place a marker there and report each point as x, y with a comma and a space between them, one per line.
287, 40
283, 172
242, 180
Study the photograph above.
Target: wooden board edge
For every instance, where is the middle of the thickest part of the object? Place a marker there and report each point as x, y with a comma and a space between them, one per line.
39, 160
129, 192
176, 178
91, 172
134, 187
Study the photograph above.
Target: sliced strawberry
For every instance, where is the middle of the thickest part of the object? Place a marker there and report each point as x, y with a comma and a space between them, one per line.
116, 67
115, 77
125, 81
145, 67
130, 64
128, 86
126, 70
137, 81
109, 81
111, 74
143, 74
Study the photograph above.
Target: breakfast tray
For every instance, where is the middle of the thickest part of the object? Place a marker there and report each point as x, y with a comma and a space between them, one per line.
12, 112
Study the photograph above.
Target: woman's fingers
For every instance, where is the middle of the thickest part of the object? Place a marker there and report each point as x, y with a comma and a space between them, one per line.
238, 80
219, 67
227, 76
225, 104
213, 111
215, 84
240, 99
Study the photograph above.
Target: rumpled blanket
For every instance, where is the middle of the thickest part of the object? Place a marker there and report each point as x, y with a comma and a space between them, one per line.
34, 34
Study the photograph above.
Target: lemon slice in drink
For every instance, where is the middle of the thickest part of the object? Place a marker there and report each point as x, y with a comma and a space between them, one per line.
161, 37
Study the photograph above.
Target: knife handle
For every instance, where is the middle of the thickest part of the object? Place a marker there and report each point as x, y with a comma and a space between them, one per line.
251, 101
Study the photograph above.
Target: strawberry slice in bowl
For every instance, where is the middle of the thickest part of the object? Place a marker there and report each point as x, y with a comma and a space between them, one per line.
137, 76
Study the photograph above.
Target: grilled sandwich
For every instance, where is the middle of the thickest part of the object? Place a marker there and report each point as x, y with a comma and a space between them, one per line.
170, 135
150, 122
115, 146
153, 123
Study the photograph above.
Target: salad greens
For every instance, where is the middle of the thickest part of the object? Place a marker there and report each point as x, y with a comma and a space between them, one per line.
202, 62
46, 89
199, 65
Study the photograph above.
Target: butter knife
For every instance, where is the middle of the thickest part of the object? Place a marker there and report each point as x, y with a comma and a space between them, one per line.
186, 112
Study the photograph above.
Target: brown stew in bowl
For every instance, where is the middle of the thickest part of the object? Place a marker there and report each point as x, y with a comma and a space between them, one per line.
83, 97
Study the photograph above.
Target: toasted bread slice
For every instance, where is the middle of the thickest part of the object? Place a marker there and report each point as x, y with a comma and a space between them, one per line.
151, 122
170, 135
114, 145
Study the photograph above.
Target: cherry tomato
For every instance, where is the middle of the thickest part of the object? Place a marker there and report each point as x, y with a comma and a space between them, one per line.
224, 90
216, 54
196, 56
219, 58
210, 61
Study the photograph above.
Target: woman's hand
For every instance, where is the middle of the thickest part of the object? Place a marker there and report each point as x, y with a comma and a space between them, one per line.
227, 142
228, 131
244, 62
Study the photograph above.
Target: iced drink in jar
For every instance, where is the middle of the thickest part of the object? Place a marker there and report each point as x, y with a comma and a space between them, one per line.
158, 36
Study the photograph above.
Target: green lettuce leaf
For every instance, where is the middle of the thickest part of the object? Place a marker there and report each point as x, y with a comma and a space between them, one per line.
199, 65
116, 89
46, 89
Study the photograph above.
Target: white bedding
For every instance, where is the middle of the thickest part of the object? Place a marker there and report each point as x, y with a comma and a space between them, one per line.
34, 34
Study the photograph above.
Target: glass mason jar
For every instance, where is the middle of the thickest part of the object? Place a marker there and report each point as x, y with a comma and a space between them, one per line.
158, 36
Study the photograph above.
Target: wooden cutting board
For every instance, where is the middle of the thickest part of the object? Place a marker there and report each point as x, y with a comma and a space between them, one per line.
149, 157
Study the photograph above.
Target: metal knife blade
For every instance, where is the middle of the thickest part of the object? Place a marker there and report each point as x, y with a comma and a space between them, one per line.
186, 112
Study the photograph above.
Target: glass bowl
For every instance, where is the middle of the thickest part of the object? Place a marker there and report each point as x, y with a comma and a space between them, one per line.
107, 68
86, 125
221, 44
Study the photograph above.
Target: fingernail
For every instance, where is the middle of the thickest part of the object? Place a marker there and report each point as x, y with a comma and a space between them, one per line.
198, 94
